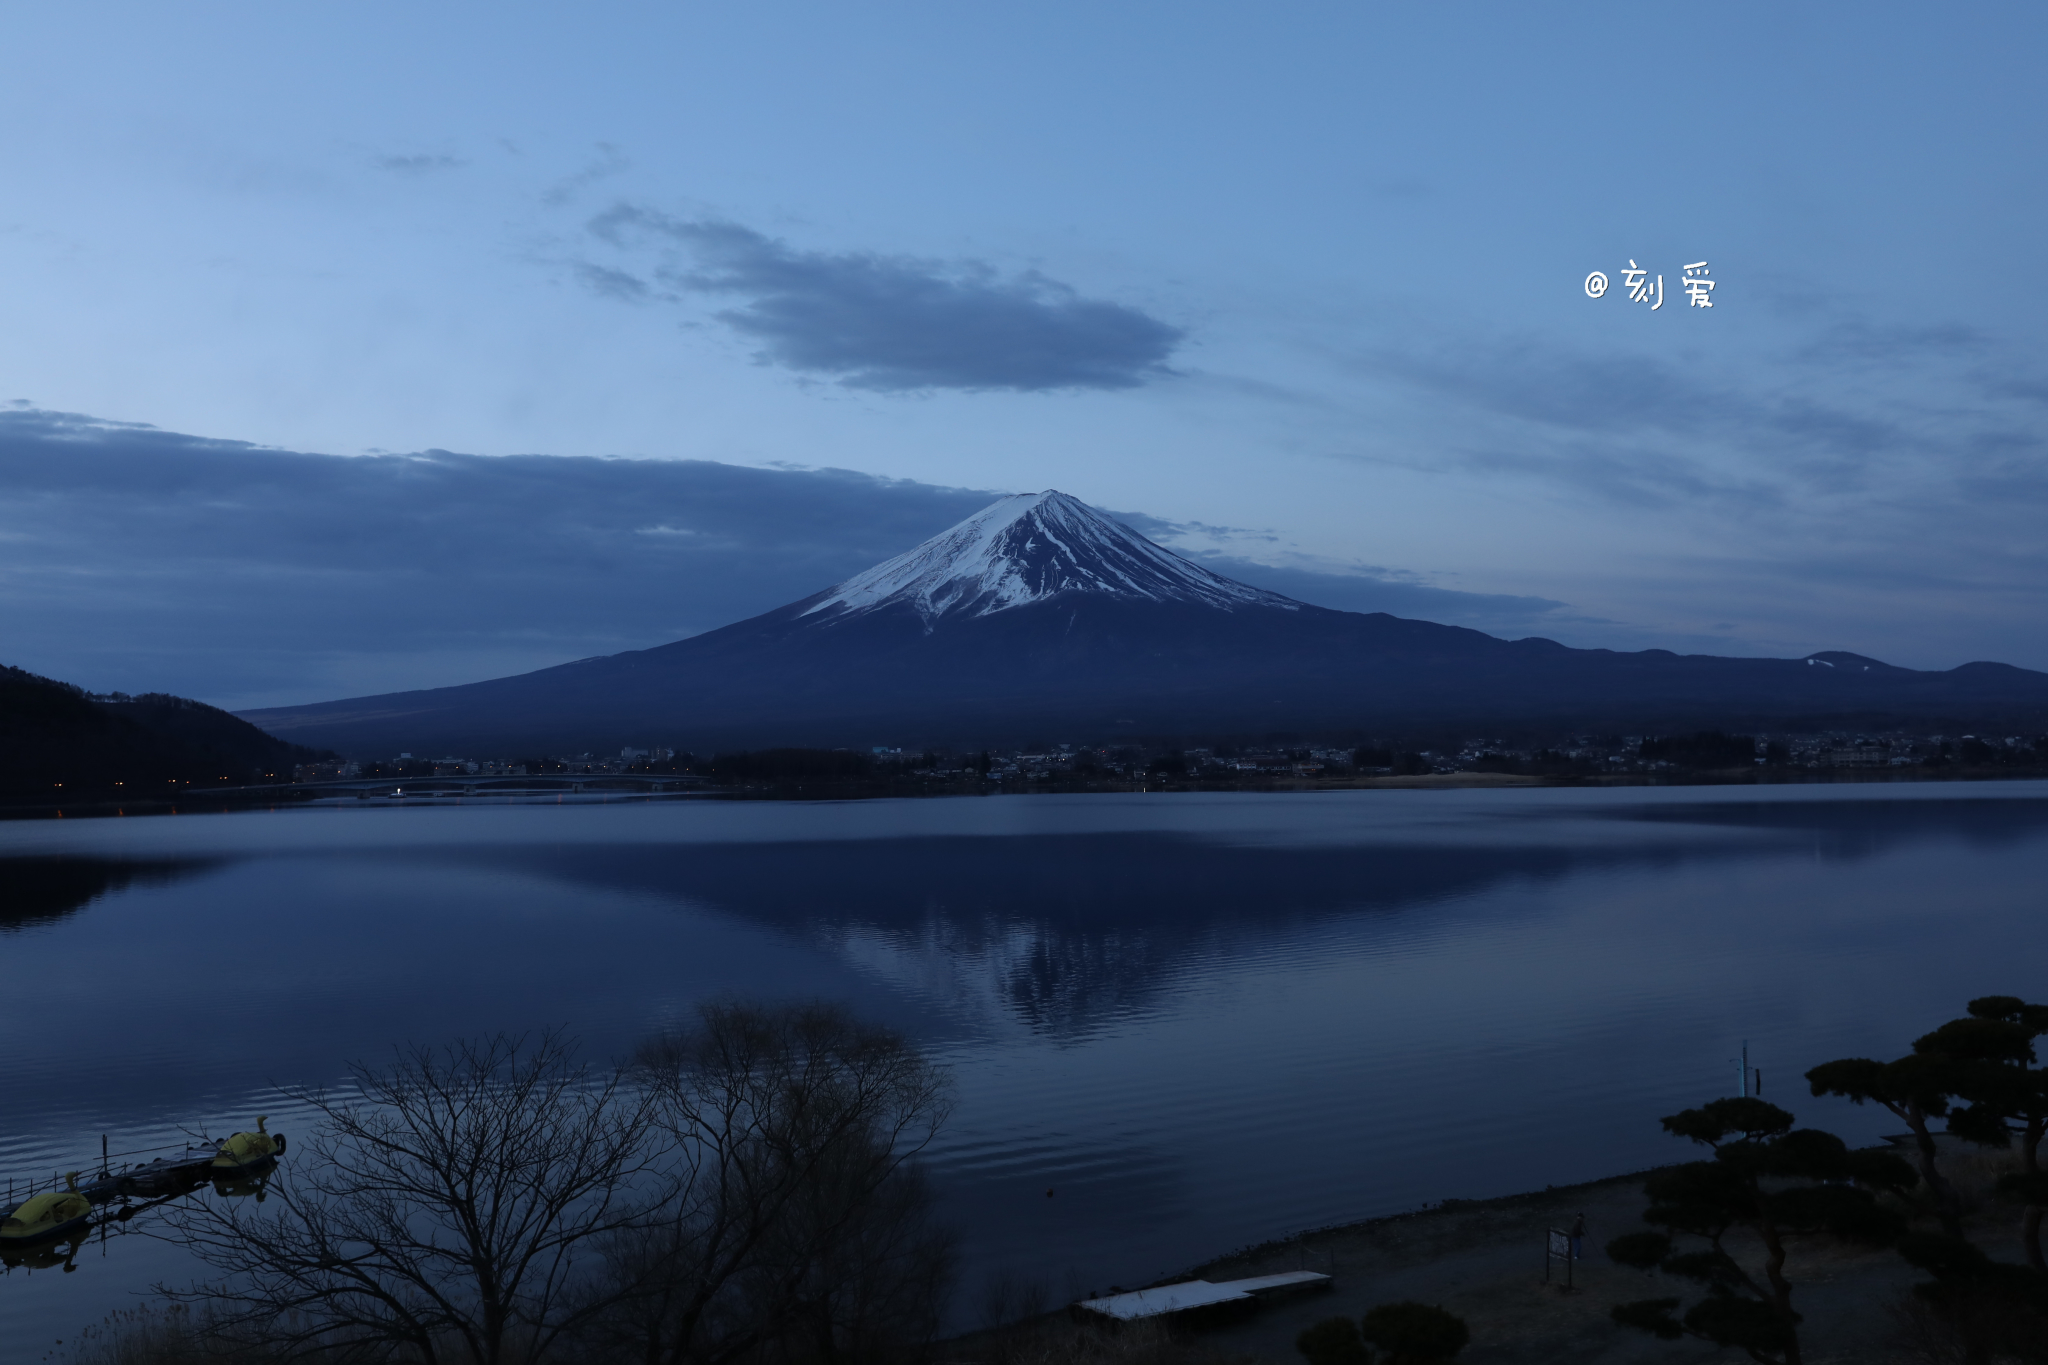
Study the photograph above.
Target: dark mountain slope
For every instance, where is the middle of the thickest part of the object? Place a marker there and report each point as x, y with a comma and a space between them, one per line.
58, 742
1041, 619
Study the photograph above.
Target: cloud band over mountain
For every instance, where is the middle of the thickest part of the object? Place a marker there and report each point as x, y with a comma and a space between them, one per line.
137, 559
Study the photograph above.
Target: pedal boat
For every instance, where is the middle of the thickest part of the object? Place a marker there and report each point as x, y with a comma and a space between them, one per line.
247, 1151
243, 1184
47, 1216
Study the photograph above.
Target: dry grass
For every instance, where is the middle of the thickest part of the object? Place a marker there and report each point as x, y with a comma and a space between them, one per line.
147, 1336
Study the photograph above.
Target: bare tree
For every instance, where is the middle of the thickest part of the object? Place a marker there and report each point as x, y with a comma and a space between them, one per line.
868, 1266
447, 1210
793, 1226
746, 1192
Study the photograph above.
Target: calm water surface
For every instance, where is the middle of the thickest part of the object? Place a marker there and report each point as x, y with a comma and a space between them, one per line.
1200, 1020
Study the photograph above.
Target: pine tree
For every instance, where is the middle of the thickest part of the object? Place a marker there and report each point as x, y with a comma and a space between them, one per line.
1832, 1191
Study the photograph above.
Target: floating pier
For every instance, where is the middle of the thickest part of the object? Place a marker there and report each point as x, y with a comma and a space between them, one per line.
173, 1169
1190, 1295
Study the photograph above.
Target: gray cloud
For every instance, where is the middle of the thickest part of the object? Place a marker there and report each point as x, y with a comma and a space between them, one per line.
1355, 587
135, 558
1859, 341
138, 559
608, 162
613, 284
419, 165
1397, 594
896, 324
1859, 484
1630, 394
1843, 420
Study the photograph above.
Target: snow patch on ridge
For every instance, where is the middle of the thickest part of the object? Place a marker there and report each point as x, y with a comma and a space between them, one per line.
1029, 547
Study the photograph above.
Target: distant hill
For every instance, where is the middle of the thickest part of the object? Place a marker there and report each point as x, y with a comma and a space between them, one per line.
58, 742
1040, 619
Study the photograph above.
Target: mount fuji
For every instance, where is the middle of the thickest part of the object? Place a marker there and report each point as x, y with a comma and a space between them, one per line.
1030, 548
1041, 618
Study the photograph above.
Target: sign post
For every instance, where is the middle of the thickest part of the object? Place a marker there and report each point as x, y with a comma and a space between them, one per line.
1559, 1248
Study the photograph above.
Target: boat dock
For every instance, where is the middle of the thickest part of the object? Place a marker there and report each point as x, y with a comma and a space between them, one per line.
1191, 1295
168, 1169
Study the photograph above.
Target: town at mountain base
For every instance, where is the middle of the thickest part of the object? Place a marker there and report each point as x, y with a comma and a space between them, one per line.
1040, 618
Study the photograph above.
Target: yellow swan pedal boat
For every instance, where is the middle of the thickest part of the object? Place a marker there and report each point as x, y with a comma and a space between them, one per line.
46, 1216
244, 1151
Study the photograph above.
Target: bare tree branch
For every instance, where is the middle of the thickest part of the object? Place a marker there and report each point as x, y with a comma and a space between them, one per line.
444, 1210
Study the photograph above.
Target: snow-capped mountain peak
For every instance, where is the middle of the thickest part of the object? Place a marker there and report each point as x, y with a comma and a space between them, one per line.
1029, 547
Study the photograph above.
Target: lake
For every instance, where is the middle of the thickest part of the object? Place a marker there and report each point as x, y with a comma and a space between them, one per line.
1198, 1020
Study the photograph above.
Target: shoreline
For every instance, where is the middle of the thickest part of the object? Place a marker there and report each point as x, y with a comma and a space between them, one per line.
1484, 1259
593, 791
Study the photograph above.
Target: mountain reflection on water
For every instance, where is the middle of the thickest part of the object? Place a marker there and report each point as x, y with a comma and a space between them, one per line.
1204, 1020
1061, 932
1058, 932
41, 890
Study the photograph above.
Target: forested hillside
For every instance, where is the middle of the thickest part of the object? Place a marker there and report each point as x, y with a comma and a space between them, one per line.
58, 742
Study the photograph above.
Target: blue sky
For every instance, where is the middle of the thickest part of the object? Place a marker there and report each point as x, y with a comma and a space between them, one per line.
1296, 288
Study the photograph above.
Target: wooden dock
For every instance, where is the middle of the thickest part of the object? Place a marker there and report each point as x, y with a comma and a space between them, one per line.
1190, 1295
